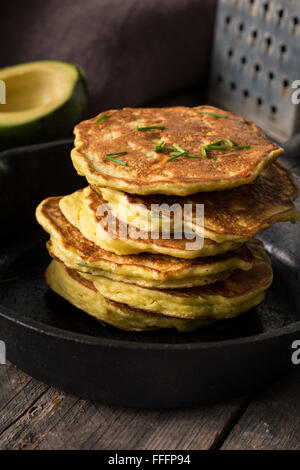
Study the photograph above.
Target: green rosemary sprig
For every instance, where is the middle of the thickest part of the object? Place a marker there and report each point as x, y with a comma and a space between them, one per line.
116, 160
100, 118
116, 153
212, 114
150, 128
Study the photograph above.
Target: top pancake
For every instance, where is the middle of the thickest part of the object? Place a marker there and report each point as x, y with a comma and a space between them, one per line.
150, 172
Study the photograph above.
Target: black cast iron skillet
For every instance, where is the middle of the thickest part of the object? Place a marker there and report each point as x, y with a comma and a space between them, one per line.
53, 341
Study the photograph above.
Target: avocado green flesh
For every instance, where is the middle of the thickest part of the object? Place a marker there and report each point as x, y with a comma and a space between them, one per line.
44, 100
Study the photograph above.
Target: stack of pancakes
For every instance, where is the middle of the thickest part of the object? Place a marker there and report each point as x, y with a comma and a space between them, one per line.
112, 257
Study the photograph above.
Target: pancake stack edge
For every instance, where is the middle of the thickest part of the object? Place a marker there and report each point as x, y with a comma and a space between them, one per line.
112, 255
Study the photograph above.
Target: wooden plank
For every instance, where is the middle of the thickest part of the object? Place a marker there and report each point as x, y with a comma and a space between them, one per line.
272, 421
93, 426
50, 419
29, 429
18, 392
12, 381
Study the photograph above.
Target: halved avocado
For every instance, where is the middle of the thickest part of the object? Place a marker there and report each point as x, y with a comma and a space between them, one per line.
44, 100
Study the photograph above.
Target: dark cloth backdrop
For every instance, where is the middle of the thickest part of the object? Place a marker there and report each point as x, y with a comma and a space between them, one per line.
133, 51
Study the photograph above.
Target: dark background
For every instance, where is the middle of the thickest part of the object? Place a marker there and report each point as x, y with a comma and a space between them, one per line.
134, 52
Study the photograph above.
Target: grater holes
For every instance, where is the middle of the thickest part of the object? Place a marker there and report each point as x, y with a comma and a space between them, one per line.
230, 53
268, 41
220, 78
271, 75
265, 8
245, 93
227, 20
232, 86
294, 25
273, 109
259, 101
257, 67
241, 27
280, 14
285, 83
283, 49
243, 60
254, 34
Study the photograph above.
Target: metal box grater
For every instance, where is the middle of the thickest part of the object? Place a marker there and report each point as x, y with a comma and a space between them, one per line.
256, 58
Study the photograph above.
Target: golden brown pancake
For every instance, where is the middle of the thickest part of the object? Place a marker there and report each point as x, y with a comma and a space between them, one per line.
82, 210
191, 308
77, 252
237, 214
149, 171
224, 299
80, 292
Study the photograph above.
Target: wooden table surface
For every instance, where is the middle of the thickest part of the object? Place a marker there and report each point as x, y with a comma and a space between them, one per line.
36, 416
